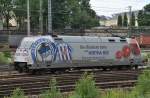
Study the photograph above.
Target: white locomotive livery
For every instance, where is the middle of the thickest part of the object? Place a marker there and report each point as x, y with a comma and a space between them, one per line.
63, 52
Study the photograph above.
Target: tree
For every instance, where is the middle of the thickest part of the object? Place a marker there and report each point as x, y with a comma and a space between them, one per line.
132, 20
144, 16
147, 8
140, 18
119, 22
21, 13
75, 13
125, 20
6, 7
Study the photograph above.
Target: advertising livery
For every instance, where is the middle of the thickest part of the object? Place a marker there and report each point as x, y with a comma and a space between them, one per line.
46, 52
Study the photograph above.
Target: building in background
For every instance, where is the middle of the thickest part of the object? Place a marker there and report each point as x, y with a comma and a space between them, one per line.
112, 21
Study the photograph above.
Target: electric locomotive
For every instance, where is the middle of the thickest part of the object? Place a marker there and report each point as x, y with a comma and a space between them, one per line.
66, 52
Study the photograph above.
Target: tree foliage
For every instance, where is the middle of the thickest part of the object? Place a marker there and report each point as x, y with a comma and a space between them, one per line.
140, 18
21, 13
6, 8
132, 20
74, 13
144, 16
119, 22
125, 20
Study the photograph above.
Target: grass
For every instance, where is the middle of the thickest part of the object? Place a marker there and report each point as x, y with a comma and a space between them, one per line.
17, 93
116, 93
5, 58
85, 88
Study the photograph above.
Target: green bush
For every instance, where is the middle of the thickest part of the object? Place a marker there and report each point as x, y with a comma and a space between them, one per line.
148, 55
143, 85
7, 54
85, 88
3, 59
17, 93
53, 92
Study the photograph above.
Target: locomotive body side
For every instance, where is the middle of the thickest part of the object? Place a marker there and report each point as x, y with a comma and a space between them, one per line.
46, 52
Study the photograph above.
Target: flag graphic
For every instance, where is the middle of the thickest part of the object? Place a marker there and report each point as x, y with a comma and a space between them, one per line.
64, 52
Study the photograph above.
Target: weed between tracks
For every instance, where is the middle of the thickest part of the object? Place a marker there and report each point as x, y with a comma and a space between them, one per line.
5, 57
85, 88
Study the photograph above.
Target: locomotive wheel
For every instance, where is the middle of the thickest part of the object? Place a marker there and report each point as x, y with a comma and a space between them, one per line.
22, 67
25, 69
20, 70
33, 72
17, 67
104, 68
129, 67
120, 67
135, 67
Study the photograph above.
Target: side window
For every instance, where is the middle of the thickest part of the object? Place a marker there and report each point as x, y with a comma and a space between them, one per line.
58, 40
25, 44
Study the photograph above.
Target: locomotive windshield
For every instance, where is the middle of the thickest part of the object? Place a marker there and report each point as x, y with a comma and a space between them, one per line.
25, 44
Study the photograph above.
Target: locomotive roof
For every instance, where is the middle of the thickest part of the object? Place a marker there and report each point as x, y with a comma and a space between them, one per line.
27, 41
90, 39
78, 38
34, 38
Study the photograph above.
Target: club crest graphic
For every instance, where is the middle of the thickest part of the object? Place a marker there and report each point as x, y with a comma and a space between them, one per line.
43, 50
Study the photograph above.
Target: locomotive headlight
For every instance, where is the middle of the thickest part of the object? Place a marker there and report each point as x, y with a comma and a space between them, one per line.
21, 55
25, 52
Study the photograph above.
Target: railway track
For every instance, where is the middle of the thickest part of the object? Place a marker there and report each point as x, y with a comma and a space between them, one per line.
35, 84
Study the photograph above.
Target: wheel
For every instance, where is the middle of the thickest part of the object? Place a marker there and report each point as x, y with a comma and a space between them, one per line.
15, 66
120, 68
104, 68
53, 71
135, 67
20, 70
33, 72
22, 67
25, 69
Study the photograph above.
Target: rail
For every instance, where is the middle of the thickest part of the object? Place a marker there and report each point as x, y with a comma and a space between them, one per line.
34, 84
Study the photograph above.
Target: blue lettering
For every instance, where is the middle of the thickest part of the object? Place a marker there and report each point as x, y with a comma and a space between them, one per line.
105, 52
98, 52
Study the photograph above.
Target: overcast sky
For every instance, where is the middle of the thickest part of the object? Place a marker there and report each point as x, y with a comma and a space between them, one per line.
109, 7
